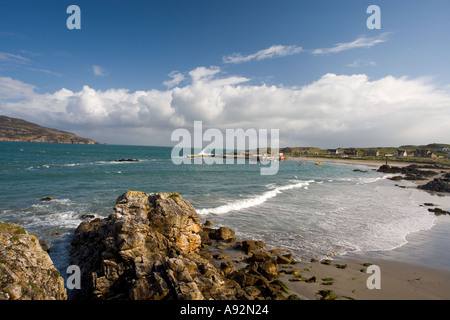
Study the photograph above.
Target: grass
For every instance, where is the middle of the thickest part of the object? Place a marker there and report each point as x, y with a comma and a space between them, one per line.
322, 153
174, 195
11, 228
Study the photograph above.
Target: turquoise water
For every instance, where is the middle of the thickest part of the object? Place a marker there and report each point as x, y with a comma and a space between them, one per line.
311, 210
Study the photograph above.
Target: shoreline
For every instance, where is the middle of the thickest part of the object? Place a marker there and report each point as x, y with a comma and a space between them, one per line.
417, 270
371, 163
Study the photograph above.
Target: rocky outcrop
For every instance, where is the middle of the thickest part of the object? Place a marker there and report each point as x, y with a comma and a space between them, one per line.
147, 249
411, 172
26, 270
155, 247
438, 184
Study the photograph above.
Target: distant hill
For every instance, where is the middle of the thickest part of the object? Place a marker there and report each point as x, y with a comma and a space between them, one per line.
12, 129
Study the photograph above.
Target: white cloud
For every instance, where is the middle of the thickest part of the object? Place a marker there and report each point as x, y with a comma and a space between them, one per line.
362, 63
14, 89
269, 53
361, 42
334, 111
98, 71
202, 73
13, 58
46, 71
176, 76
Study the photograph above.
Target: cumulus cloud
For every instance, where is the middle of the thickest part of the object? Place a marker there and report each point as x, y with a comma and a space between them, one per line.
361, 42
176, 76
269, 53
14, 89
333, 111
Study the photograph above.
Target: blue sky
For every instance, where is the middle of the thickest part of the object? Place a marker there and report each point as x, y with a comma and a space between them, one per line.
174, 52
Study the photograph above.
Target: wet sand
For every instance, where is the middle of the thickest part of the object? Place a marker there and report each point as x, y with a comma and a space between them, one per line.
418, 270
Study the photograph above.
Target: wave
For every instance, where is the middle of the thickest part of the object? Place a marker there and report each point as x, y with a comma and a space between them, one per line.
254, 201
93, 163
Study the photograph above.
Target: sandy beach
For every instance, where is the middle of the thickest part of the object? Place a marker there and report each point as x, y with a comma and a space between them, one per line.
418, 270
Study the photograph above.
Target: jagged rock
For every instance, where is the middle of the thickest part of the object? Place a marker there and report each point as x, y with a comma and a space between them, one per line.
223, 233
261, 256
411, 172
147, 249
249, 246
437, 185
26, 270
285, 259
227, 267
208, 223
44, 246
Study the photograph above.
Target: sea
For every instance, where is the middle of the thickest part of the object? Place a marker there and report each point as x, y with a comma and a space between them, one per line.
314, 211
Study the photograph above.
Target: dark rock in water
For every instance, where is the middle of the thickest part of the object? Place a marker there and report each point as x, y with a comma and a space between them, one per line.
388, 169
412, 172
127, 160
87, 216
208, 223
428, 204
44, 246
438, 211
223, 233
26, 270
46, 199
396, 178
359, 170
437, 185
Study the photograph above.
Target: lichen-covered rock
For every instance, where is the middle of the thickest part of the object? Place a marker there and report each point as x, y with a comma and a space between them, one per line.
147, 249
26, 270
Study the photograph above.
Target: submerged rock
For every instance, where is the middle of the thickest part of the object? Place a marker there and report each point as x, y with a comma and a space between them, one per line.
26, 270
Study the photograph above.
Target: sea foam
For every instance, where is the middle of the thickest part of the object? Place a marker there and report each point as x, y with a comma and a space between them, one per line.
253, 201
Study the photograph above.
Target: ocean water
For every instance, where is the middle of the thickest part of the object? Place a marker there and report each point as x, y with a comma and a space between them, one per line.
313, 211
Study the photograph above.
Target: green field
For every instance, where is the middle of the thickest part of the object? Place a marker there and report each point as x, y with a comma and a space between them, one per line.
322, 153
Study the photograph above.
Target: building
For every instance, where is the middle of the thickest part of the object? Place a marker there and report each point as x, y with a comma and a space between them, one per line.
333, 151
351, 152
424, 154
372, 153
442, 149
286, 150
304, 151
400, 153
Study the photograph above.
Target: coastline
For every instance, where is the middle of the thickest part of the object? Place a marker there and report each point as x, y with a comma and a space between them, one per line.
417, 270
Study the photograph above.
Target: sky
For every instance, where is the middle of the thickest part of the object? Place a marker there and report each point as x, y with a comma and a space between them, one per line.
137, 70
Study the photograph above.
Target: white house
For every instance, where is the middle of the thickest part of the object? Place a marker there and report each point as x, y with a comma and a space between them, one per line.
400, 153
